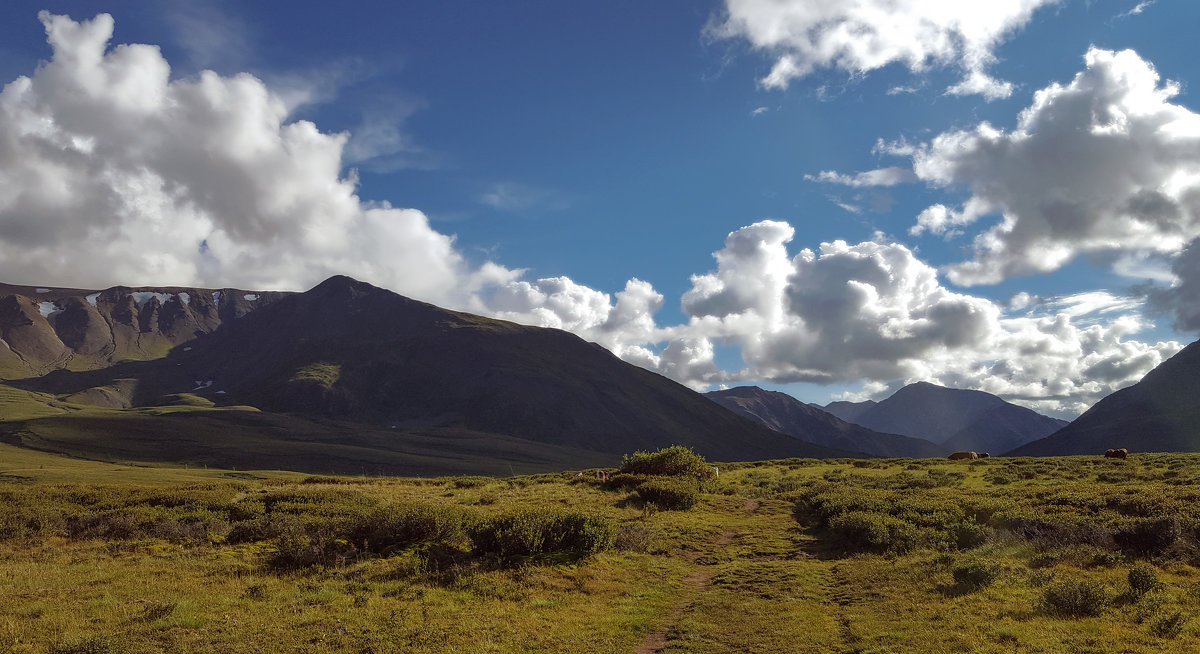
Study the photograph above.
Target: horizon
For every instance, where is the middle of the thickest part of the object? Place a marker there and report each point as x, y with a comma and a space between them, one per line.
999, 199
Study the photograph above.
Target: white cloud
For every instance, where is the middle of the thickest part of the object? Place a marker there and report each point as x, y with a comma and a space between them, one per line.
513, 196
874, 312
1103, 164
1137, 9
862, 36
112, 172
890, 176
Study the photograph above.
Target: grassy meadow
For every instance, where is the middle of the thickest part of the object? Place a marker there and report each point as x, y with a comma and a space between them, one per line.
1071, 554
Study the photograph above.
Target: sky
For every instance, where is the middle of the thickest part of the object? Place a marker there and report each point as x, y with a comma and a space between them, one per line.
831, 199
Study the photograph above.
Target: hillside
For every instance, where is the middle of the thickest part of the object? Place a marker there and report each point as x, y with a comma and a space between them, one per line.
350, 358
790, 416
955, 418
44, 329
1160, 413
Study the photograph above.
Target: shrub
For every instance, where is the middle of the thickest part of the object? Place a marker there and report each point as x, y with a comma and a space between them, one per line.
1142, 580
1073, 598
387, 528
869, 530
530, 533
670, 494
676, 460
1148, 535
632, 537
1168, 626
261, 528
974, 575
968, 534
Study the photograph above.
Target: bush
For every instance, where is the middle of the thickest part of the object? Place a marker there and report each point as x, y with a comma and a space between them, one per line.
1168, 626
670, 494
869, 530
968, 534
974, 575
530, 533
673, 461
1073, 598
1148, 535
387, 528
1142, 580
632, 538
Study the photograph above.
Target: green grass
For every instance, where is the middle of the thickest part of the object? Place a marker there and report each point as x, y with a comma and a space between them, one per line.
144, 559
323, 373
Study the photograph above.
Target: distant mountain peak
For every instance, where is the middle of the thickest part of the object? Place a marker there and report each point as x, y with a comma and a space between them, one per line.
790, 416
957, 418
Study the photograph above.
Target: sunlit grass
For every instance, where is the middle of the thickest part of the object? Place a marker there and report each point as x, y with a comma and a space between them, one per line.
142, 559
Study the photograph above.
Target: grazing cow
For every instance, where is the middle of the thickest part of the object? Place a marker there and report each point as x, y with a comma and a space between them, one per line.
602, 475
959, 456
1116, 454
984, 455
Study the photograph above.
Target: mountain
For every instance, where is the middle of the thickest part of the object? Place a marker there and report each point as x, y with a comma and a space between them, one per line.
348, 356
790, 416
957, 419
44, 329
1160, 413
848, 411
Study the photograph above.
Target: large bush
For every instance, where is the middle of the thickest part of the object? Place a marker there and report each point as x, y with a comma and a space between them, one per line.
531, 533
670, 494
973, 575
673, 461
1148, 535
872, 531
386, 528
1073, 598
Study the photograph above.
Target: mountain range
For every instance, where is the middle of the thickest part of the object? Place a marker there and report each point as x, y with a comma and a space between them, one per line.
787, 415
956, 419
350, 378
343, 377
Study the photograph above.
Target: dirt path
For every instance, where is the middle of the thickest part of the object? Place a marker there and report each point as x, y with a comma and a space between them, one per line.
694, 583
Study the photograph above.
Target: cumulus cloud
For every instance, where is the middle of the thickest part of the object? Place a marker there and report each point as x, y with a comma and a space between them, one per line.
874, 311
1180, 299
859, 37
113, 172
1104, 164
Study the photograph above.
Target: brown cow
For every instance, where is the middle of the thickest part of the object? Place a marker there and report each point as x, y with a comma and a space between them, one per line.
1116, 454
959, 456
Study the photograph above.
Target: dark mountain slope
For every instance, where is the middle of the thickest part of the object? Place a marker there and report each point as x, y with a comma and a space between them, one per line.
348, 351
1160, 413
790, 416
958, 419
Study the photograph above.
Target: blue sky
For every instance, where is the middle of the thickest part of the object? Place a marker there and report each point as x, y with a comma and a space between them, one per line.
528, 160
